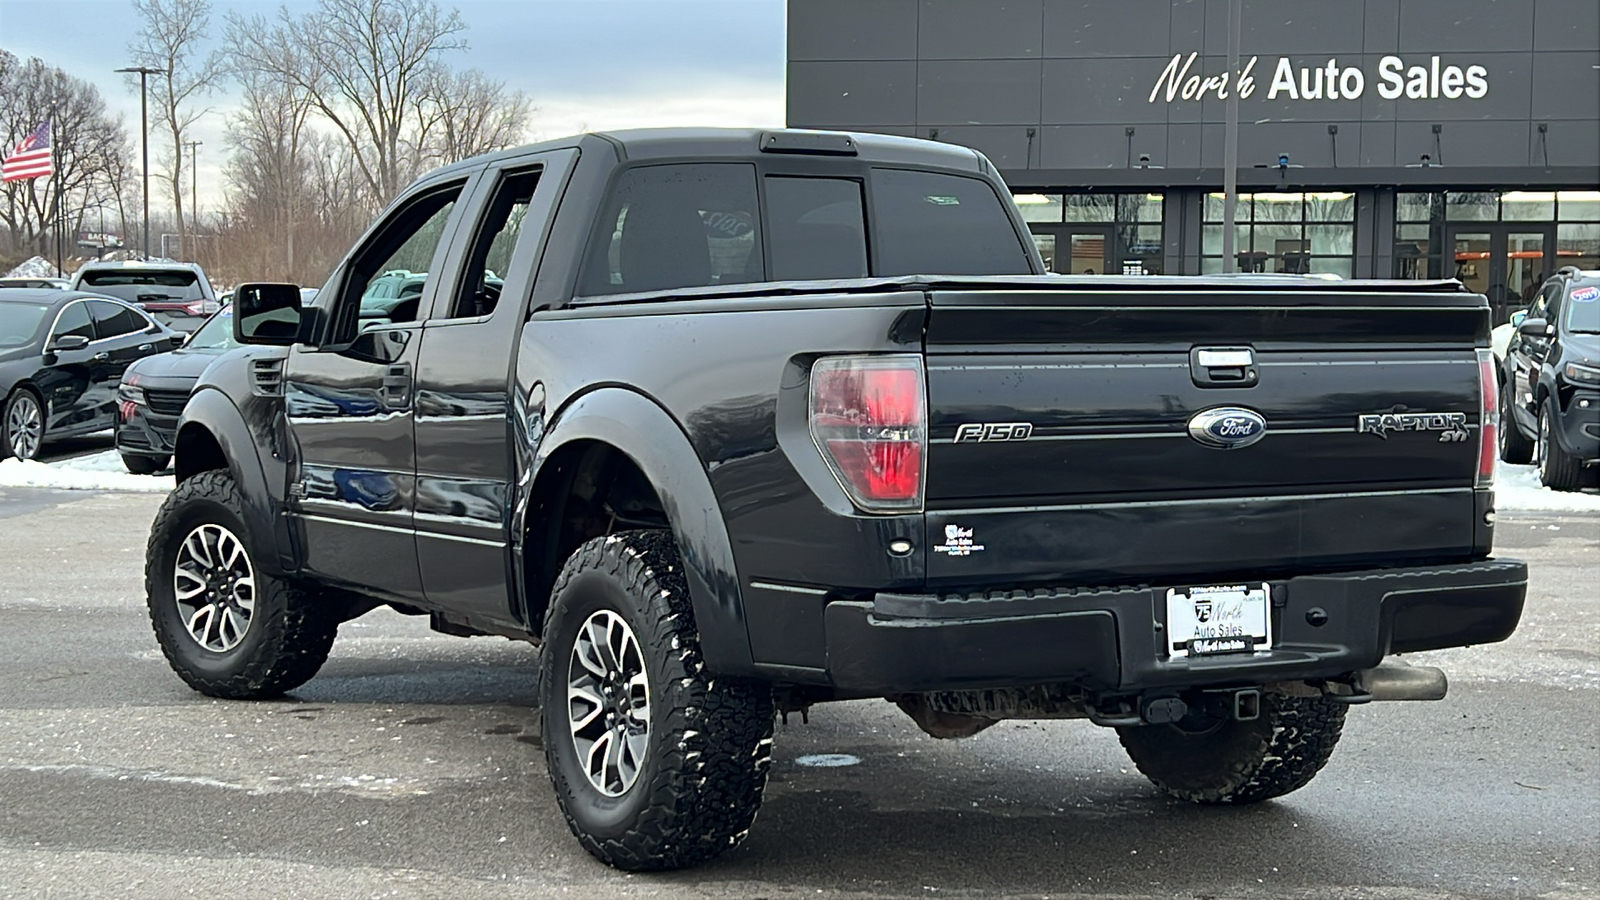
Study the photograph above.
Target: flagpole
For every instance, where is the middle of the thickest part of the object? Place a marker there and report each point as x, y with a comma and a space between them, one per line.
55, 176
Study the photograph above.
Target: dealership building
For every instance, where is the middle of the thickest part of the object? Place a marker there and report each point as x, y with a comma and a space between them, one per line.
1377, 138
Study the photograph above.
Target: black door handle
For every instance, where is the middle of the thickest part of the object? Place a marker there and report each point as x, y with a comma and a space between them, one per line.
397, 384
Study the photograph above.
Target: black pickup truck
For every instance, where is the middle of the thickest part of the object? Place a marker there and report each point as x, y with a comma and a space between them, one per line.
752, 420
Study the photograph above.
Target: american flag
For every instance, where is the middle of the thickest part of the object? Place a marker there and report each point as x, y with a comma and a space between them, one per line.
31, 158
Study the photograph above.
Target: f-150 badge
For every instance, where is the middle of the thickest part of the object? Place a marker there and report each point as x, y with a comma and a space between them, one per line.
994, 431
1453, 424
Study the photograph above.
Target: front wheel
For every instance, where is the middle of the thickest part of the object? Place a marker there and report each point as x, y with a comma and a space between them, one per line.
656, 763
23, 420
1558, 469
1515, 447
227, 627
1229, 761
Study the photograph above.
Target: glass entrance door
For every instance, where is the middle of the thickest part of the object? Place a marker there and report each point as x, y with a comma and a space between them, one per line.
1077, 249
1506, 263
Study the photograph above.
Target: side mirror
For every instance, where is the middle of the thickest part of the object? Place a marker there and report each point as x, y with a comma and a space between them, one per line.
266, 313
1534, 328
68, 342
1517, 317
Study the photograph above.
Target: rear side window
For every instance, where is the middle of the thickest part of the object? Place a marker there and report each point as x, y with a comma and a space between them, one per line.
677, 226
935, 224
816, 228
113, 320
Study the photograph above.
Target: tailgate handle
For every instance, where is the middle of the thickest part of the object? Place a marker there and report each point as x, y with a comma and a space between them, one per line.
1212, 367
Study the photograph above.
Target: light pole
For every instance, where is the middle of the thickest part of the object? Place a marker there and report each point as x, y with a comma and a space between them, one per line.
144, 144
194, 189
1230, 144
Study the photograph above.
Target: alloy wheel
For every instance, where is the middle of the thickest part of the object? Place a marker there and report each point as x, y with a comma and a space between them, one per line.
214, 583
24, 426
1507, 422
1541, 452
608, 703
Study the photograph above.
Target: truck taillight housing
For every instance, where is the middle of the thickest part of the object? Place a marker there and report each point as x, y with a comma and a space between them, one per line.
1489, 418
868, 417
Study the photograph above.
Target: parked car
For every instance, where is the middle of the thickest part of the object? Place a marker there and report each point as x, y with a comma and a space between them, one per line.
54, 284
153, 391
176, 293
754, 420
62, 354
1550, 397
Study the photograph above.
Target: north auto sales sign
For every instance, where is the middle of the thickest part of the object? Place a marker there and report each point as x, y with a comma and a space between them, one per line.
1395, 78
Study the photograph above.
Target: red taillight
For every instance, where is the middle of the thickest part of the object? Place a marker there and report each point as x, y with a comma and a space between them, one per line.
197, 308
1488, 419
868, 417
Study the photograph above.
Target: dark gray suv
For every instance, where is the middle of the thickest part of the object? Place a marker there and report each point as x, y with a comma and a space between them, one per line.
1550, 386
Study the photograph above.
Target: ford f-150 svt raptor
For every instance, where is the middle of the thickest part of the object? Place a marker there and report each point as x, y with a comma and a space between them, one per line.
751, 420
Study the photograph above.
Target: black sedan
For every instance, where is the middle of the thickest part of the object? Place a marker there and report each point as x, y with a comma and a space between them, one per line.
62, 354
153, 392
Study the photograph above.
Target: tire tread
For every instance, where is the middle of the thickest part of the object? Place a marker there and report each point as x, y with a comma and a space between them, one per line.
1290, 744
705, 789
293, 646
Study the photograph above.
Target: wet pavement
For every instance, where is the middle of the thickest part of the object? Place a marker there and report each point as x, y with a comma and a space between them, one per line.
411, 767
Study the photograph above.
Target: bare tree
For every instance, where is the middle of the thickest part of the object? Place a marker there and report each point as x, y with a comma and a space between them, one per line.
88, 146
268, 169
368, 61
170, 39
462, 114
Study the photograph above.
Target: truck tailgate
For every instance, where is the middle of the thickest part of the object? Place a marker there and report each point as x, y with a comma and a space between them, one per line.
1060, 430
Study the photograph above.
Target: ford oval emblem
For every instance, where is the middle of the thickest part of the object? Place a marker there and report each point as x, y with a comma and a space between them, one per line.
1227, 427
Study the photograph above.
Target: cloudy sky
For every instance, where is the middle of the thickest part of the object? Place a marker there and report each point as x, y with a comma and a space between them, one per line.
587, 64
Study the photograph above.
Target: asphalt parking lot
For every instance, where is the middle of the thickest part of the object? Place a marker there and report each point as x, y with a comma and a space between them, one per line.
411, 767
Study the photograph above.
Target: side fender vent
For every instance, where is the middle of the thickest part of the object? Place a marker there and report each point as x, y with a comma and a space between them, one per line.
266, 377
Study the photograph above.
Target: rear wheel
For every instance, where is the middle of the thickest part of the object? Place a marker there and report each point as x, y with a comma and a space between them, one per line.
227, 627
1223, 760
1558, 469
23, 421
656, 763
1515, 447
144, 465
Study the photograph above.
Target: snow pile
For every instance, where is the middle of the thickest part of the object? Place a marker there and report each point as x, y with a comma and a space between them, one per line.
99, 472
37, 267
1518, 488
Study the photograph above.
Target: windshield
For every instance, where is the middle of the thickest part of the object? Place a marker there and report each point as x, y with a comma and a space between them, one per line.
215, 334
1583, 310
19, 322
145, 286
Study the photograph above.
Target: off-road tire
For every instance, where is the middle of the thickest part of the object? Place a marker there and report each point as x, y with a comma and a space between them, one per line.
1238, 762
137, 464
710, 738
1515, 447
288, 637
1558, 469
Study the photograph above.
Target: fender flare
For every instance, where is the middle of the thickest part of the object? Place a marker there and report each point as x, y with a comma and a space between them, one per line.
212, 411
640, 429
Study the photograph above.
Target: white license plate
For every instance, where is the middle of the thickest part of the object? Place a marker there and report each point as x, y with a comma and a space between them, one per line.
1224, 618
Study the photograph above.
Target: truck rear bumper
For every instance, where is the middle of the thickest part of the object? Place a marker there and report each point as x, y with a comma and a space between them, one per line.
1108, 640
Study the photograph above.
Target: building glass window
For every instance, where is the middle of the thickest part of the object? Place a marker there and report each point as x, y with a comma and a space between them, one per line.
1297, 233
1097, 233
1526, 228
